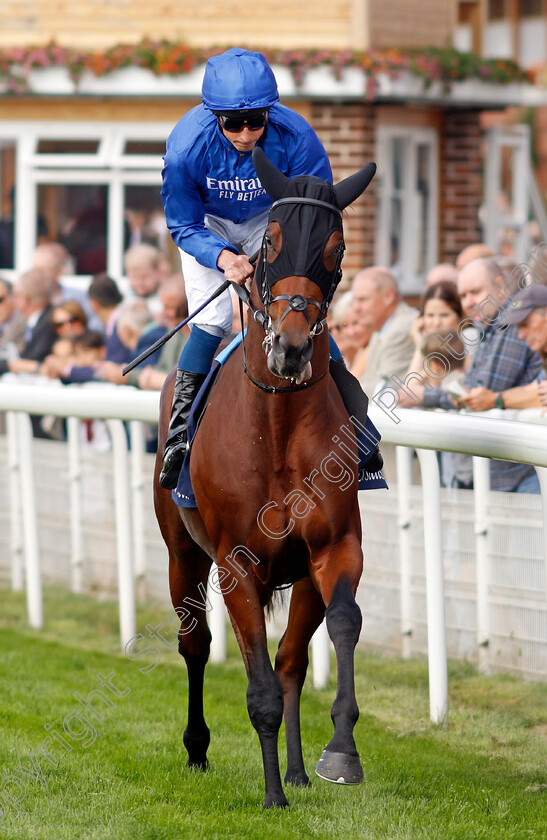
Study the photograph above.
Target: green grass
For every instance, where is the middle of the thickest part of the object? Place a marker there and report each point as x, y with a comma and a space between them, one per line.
483, 777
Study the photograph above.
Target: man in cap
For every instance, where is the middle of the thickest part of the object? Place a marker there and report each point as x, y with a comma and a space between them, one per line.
502, 363
528, 312
505, 355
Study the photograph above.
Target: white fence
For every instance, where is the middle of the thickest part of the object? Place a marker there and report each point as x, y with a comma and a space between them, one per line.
486, 549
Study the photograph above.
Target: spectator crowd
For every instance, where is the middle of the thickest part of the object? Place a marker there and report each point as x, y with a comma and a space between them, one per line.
49, 328
476, 341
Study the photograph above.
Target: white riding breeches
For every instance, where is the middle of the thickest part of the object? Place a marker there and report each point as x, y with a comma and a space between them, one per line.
200, 282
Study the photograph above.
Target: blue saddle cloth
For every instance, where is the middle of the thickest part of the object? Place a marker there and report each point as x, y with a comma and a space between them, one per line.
183, 495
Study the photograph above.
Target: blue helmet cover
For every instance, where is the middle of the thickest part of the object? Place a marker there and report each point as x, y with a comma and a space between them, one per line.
238, 80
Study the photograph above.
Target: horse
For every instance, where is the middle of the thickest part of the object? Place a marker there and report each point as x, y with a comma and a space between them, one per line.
267, 512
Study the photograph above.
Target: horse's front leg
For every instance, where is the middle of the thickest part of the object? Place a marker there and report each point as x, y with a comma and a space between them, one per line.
264, 696
305, 615
338, 581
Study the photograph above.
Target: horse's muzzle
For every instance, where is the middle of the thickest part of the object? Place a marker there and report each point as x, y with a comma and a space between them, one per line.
289, 361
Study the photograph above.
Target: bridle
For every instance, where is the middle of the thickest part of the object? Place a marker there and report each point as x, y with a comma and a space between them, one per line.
295, 303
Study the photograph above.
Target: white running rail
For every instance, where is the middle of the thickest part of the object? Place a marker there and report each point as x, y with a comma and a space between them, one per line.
426, 432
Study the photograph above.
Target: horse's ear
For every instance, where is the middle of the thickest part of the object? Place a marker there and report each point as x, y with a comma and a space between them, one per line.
273, 181
351, 188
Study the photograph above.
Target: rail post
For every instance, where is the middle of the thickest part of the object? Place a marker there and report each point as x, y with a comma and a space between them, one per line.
14, 465
217, 624
434, 572
320, 646
481, 490
403, 455
33, 571
126, 578
136, 431
542, 475
75, 482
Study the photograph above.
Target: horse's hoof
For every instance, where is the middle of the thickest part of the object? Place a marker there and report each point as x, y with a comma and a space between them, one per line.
298, 779
197, 744
276, 800
340, 768
198, 765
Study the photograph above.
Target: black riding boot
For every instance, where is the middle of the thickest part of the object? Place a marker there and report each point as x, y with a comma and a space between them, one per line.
356, 403
187, 385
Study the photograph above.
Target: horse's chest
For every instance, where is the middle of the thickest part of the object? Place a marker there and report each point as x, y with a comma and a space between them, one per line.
263, 483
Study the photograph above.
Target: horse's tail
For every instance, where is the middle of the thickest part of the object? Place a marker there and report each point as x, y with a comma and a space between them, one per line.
278, 598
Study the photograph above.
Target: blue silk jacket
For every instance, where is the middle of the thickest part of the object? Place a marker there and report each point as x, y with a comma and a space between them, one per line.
204, 173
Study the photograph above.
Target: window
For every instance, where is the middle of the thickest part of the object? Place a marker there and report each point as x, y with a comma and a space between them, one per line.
7, 198
67, 147
423, 202
509, 191
144, 219
76, 215
497, 9
466, 11
407, 236
140, 147
467, 32
530, 8
96, 190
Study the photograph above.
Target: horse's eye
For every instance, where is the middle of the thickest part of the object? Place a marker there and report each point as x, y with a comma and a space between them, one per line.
268, 240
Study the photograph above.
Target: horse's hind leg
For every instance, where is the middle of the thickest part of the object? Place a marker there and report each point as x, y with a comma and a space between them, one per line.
188, 570
305, 615
188, 589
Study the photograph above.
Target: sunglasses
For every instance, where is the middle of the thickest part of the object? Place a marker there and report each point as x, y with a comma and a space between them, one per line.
58, 324
237, 124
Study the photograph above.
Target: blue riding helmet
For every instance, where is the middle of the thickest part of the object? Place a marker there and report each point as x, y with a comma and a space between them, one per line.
238, 80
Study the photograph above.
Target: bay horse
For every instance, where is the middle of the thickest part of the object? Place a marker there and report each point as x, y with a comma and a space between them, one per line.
265, 513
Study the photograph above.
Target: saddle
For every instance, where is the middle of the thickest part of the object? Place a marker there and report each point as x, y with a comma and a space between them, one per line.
355, 401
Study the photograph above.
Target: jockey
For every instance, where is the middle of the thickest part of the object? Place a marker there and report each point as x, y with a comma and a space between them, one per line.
216, 208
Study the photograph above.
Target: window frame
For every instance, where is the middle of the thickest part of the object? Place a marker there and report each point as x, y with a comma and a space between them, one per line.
411, 280
108, 165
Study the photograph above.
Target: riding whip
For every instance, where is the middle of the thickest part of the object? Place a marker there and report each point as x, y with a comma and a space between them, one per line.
161, 341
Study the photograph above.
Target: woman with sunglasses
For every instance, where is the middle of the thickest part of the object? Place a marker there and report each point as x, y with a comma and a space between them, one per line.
69, 319
216, 207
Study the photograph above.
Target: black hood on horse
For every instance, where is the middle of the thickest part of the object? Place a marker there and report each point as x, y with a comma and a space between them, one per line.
305, 231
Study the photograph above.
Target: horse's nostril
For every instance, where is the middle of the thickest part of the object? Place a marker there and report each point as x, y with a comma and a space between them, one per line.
280, 345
